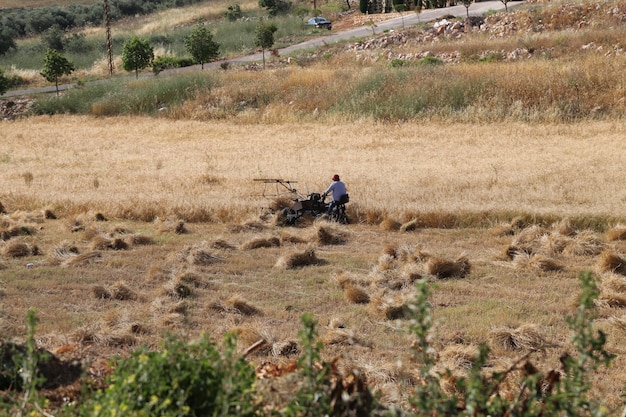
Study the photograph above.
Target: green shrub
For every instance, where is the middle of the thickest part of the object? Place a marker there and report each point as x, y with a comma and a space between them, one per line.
233, 12
181, 379
168, 62
430, 60
118, 98
396, 63
4, 83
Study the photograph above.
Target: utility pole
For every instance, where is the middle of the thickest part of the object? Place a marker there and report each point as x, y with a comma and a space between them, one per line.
107, 22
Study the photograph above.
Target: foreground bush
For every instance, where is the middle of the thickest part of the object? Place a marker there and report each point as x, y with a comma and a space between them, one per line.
182, 379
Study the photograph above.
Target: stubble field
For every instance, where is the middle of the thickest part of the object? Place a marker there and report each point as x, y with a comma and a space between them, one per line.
120, 230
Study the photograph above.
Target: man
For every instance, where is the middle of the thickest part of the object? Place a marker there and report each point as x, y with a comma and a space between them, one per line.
338, 188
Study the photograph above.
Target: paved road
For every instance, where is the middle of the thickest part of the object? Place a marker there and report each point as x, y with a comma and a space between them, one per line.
408, 19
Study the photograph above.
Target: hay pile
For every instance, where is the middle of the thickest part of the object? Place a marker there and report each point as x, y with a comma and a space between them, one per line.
445, 268
82, 259
20, 249
198, 255
611, 261
616, 233
525, 338
117, 291
298, 260
329, 234
172, 226
543, 249
389, 287
261, 242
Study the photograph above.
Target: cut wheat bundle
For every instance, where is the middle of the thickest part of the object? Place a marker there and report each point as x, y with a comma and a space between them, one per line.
298, 260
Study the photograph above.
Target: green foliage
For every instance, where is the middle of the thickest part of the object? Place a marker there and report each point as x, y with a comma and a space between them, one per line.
363, 5
76, 43
33, 21
396, 63
589, 345
181, 379
467, 4
4, 83
137, 54
201, 46
275, 7
168, 62
123, 98
53, 38
265, 37
19, 372
312, 398
6, 41
233, 13
541, 394
55, 65
430, 60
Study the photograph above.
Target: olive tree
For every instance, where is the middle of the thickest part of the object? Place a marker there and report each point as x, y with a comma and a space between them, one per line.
265, 37
201, 46
55, 65
137, 54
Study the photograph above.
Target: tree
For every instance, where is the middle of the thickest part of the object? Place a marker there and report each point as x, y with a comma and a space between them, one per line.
467, 4
233, 12
55, 65
201, 46
275, 7
363, 6
137, 54
506, 5
53, 38
4, 83
6, 42
265, 37
400, 8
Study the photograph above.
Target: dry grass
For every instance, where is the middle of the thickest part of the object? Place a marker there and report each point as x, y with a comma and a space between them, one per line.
616, 233
186, 282
390, 225
139, 191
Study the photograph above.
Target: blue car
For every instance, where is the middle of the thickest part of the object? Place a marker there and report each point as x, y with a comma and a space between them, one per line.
320, 22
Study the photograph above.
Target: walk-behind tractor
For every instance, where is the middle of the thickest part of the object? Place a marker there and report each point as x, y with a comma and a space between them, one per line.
312, 204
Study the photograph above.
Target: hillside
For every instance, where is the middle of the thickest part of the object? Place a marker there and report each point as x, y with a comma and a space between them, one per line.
511, 60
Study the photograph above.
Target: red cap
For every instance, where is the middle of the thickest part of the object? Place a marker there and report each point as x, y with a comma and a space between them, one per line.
336, 177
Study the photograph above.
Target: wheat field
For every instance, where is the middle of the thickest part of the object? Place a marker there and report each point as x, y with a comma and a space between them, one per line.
185, 249
130, 165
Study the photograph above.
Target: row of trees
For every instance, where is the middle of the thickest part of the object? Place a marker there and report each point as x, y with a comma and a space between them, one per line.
138, 54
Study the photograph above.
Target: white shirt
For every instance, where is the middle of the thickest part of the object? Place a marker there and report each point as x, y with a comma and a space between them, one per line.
338, 188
